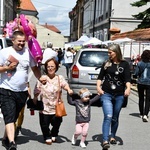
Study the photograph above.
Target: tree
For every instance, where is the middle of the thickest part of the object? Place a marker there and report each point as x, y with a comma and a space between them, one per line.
144, 16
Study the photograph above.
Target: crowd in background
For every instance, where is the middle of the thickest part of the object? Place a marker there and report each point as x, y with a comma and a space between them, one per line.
61, 53
64, 56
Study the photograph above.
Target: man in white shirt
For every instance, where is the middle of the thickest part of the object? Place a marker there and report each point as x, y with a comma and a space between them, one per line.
48, 54
68, 57
13, 84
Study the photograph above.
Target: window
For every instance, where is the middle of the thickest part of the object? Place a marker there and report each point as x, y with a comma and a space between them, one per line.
9, 42
1, 45
93, 58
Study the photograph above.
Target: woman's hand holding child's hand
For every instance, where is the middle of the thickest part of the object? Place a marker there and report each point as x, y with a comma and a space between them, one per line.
70, 92
100, 91
43, 79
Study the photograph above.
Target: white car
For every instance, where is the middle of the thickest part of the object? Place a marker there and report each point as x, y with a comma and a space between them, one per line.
85, 70
5, 42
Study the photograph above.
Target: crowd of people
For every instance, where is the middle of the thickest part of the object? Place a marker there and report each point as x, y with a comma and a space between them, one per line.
113, 84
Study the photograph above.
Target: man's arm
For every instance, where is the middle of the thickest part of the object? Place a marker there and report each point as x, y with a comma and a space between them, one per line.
12, 66
36, 72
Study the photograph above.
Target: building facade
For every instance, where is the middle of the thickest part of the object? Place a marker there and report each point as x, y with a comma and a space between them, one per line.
76, 21
101, 17
8, 11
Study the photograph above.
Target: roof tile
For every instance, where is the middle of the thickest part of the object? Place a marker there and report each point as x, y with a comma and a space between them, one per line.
52, 27
27, 5
140, 34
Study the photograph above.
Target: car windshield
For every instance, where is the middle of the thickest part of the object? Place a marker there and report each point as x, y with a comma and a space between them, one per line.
93, 58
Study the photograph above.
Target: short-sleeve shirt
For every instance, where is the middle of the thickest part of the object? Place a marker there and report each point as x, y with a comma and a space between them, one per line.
48, 54
49, 92
17, 78
115, 77
68, 57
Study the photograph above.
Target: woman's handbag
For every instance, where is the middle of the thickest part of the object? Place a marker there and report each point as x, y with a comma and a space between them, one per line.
60, 107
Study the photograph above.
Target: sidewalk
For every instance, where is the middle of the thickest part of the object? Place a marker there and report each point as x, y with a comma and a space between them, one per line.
134, 87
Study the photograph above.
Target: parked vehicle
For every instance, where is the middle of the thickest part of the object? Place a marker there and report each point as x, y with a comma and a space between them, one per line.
85, 69
5, 42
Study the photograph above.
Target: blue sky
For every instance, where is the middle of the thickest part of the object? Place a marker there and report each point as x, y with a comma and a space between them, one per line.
55, 12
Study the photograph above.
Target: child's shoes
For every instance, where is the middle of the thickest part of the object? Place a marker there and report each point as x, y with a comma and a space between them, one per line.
82, 144
73, 141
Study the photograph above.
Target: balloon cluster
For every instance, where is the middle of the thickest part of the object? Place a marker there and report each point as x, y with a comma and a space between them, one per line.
23, 24
10, 27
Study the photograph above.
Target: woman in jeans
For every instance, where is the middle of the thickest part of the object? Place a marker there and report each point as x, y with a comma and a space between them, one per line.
143, 72
115, 76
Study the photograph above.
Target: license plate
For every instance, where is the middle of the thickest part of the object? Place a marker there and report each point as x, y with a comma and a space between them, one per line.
94, 77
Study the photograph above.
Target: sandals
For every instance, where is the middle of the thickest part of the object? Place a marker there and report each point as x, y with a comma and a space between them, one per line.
105, 145
113, 142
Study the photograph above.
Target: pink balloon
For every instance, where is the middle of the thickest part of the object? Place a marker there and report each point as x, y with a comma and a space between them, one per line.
35, 49
24, 23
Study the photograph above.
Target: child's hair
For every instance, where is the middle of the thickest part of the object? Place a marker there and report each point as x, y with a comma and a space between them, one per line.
84, 90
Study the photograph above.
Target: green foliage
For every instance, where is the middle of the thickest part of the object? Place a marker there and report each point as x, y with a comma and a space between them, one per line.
139, 3
144, 16
18, 3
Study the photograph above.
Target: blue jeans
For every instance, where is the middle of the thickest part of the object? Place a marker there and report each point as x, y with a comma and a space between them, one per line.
68, 66
111, 105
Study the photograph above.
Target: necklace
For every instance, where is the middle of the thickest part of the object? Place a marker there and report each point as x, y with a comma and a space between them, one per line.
117, 70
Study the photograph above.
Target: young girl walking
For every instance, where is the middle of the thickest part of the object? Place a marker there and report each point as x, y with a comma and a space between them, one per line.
83, 113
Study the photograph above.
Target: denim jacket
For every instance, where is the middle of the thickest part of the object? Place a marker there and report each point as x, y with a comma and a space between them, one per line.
142, 70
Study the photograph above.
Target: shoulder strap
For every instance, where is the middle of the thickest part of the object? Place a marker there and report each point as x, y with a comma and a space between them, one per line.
59, 90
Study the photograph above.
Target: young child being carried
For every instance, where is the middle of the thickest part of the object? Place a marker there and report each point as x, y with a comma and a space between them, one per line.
83, 109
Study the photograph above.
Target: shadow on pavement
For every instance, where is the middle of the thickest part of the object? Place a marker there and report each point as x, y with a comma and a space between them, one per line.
27, 135
62, 139
135, 114
99, 138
